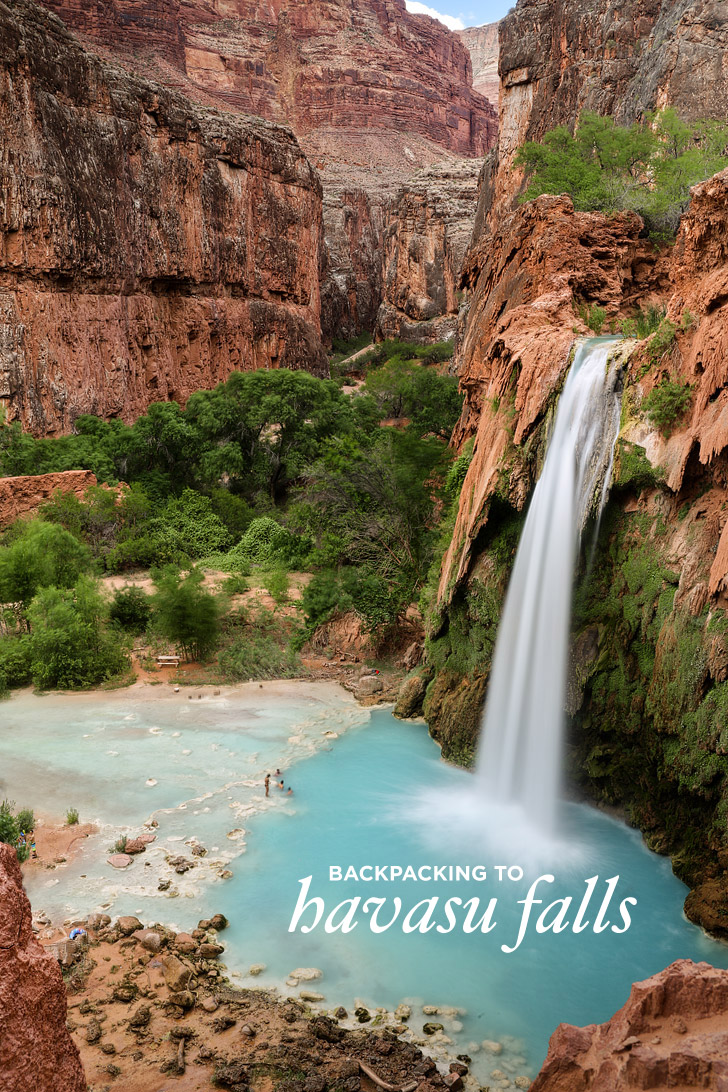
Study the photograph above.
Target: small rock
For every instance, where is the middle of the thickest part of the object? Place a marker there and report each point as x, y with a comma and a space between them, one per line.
499, 1075
453, 1081
403, 1012
211, 951
368, 686
340, 1013
430, 1028
108, 1048
459, 1067
306, 974
149, 940
164, 885
492, 1047
140, 1019
134, 846
311, 995
248, 1031
430, 1010
522, 1082
184, 999
209, 1004
119, 860
186, 944
176, 974
256, 968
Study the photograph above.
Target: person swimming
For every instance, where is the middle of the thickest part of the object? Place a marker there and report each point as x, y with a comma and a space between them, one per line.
267, 784
290, 791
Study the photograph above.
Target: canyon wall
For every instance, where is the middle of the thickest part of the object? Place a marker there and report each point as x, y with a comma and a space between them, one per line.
25, 493
148, 246
36, 1052
424, 248
482, 45
372, 93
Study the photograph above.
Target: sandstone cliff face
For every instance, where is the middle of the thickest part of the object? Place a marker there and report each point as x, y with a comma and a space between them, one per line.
36, 1051
559, 58
424, 249
671, 1033
482, 45
148, 247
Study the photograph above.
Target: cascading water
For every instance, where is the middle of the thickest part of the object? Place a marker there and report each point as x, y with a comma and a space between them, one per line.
519, 760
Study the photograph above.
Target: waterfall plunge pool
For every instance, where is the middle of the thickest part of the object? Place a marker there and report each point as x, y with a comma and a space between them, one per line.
368, 790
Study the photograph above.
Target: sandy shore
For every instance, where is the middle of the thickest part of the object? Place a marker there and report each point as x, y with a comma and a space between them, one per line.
57, 843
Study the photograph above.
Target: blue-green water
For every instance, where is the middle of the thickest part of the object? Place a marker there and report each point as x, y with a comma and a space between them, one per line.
358, 800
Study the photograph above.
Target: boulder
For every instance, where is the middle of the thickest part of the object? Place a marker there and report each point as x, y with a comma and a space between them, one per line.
368, 686
176, 974
132, 846
186, 944
210, 951
411, 696
150, 940
129, 925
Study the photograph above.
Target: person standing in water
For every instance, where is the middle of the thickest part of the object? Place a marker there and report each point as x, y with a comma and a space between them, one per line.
267, 784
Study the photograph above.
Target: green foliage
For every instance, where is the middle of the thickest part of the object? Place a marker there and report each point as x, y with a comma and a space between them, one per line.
131, 609
593, 316
642, 323
633, 468
404, 389
260, 646
456, 474
661, 341
41, 555
666, 403
15, 662
10, 829
70, 646
186, 613
26, 819
119, 845
648, 168
72, 817
266, 542
276, 583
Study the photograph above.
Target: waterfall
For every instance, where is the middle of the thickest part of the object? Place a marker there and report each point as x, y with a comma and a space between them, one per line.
519, 759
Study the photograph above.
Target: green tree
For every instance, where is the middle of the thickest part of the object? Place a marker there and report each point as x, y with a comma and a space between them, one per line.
131, 609
42, 554
186, 613
70, 645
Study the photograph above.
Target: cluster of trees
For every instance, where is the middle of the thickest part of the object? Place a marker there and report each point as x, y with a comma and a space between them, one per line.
648, 168
276, 469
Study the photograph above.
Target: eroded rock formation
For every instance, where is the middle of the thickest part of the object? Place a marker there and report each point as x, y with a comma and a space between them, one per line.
25, 493
36, 1051
149, 246
482, 45
424, 248
671, 1033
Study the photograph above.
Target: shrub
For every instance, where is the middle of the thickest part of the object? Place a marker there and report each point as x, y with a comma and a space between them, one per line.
648, 168
276, 583
131, 609
258, 655
70, 647
666, 403
119, 845
72, 817
10, 829
26, 819
15, 662
186, 613
266, 542
593, 316
661, 341
643, 323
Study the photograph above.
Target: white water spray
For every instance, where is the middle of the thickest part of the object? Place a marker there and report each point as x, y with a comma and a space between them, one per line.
519, 761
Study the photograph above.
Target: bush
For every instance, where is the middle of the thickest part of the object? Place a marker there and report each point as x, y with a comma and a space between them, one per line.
70, 648
40, 556
186, 613
131, 609
15, 662
594, 317
666, 403
643, 323
10, 829
26, 819
266, 542
661, 341
72, 817
648, 168
276, 583
258, 656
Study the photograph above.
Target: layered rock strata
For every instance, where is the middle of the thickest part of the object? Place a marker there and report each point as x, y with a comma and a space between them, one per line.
26, 493
148, 246
36, 1051
483, 46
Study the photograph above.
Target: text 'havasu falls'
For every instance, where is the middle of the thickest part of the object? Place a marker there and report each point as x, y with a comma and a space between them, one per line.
447, 914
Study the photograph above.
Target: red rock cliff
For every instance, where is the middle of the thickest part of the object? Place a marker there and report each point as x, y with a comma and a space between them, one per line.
148, 246
671, 1033
372, 93
36, 1051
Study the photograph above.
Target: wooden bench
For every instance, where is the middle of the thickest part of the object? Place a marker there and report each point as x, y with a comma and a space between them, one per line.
168, 661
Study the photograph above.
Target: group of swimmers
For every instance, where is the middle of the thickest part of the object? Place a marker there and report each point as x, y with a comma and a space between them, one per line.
279, 784
29, 841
